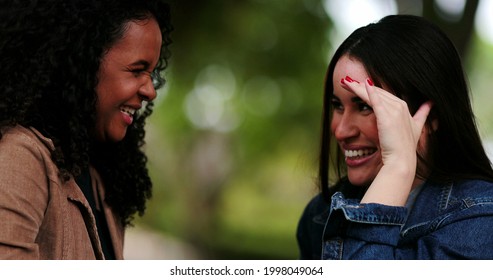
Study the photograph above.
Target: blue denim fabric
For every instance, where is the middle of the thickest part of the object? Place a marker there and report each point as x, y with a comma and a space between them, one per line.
451, 221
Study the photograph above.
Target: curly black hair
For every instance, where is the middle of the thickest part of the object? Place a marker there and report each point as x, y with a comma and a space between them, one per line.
50, 54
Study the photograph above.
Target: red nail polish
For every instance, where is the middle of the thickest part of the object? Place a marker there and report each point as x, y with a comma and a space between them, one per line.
349, 79
342, 81
370, 82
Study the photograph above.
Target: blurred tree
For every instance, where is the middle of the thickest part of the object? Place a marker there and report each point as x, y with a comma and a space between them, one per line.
243, 100
460, 28
458, 24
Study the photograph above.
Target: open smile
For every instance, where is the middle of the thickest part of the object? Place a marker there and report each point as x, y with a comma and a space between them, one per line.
128, 114
359, 153
358, 157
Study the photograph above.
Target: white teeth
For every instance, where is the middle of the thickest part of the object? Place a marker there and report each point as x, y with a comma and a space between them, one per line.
358, 153
128, 110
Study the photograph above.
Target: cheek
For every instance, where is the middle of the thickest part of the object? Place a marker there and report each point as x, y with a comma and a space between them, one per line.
368, 126
334, 122
105, 107
100, 103
372, 133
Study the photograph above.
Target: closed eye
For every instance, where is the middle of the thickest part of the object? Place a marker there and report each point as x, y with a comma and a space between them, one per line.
362, 106
138, 72
156, 80
140, 67
336, 104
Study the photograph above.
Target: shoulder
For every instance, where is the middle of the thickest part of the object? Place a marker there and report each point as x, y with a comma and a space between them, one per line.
25, 168
20, 135
472, 189
24, 150
459, 196
310, 228
316, 211
440, 205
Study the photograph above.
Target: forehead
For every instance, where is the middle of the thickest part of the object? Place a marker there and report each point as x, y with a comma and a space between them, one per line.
140, 32
141, 41
349, 66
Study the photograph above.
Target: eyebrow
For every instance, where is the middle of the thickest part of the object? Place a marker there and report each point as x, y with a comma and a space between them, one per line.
141, 62
355, 99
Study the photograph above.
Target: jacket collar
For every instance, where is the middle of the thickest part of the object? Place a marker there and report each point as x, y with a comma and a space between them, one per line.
46, 141
75, 194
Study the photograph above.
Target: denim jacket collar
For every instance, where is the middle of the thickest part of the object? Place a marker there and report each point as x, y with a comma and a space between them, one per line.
442, 224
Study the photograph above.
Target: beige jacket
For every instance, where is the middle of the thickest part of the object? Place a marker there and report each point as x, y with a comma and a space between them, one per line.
40, 216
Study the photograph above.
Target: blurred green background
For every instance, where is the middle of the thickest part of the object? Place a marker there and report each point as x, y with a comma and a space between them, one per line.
234, 137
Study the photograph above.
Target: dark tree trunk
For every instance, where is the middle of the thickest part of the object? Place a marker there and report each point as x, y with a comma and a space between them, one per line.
459, 30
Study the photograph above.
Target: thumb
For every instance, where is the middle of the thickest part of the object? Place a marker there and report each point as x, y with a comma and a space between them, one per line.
422, 114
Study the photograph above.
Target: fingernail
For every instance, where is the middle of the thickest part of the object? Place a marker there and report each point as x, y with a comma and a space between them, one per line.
350, 80
342, 81
369, 81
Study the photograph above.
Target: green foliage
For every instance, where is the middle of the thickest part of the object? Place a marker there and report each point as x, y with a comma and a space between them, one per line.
233, 140
480, 71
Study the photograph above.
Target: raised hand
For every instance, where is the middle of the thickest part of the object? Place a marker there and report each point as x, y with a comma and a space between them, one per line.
399, 133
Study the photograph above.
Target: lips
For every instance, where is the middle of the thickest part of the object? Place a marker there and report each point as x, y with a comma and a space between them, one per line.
128, 113
358, 156
359, 152
128, 110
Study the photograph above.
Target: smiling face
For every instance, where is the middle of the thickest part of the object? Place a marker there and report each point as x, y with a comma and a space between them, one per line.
125, 78
354, 125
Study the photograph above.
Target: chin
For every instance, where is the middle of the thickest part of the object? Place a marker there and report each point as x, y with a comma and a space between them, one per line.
117, 138
113, 136
116, 133
360, 181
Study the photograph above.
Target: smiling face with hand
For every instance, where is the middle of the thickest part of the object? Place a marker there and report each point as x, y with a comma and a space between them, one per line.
354, 125
125, 79
370, 138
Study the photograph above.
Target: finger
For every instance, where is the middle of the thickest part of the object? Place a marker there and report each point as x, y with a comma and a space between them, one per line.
385, 94
382, 101
376, 94
373, 96
356, 88
422, 114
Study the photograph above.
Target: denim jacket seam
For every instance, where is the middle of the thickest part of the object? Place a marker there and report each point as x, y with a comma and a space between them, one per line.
453, 202
323, 233
352, 208
447, 199
364, 219
446, 218
381, 223
471, 202
450, 217
445, 196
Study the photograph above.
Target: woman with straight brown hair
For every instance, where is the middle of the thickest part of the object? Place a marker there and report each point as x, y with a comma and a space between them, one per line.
403, 173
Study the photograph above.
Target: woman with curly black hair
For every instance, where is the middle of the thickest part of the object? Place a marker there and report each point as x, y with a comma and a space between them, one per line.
78, 80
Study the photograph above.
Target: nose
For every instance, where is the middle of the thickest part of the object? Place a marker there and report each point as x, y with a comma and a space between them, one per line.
147, 91
344, 126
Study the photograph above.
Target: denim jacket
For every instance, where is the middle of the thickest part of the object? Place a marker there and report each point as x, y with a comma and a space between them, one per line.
446, 221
